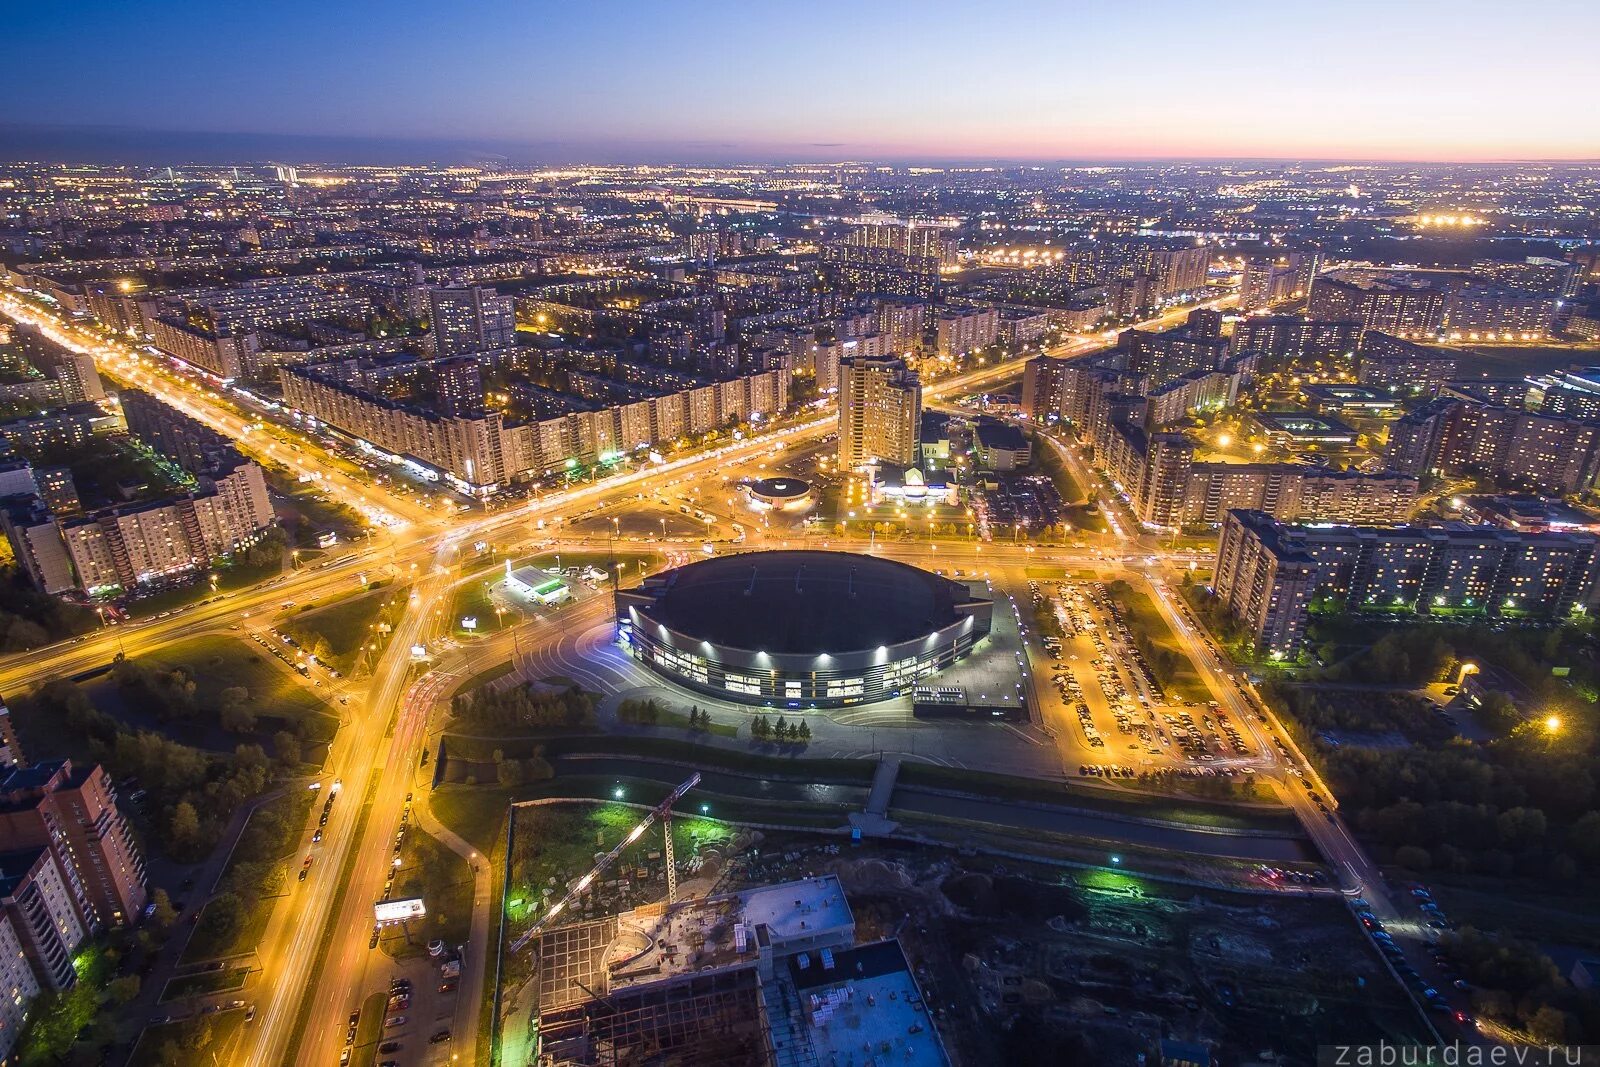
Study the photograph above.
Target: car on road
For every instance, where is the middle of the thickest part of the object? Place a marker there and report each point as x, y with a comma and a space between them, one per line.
440, 1037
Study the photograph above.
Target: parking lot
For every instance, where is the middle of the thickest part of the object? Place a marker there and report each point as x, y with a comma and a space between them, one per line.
1111, 701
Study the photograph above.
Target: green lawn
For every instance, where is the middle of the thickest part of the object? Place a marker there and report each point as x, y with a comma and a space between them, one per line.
484, 677
430, 870
1513, 361
203, 1039
680, 719
1050, 462
345, 625
205, 983
258, 871
1171, 664
218, 662
477, 813
308, 511
1196, 812
472, 601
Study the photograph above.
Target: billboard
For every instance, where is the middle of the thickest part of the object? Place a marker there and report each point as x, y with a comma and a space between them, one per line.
387, 912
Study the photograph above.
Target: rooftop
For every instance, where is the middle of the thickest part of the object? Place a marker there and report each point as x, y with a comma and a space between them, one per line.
780, 488
865, 1008
801, 602
15, 866
797, 909
1304, 424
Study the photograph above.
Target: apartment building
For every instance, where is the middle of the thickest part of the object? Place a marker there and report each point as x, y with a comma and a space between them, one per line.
1279, 340
1267, 572
478, 452
47, 912
73, 811
880, 411
18, 985
466, 319
140, 545
63, 428
1169, 488
1498, 313
1456, 434
1399, 365
1395, 304
958, 331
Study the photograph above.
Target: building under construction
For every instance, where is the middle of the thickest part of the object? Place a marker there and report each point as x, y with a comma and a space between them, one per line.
762, 977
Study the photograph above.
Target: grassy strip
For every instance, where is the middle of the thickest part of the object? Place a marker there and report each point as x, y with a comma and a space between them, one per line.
302, 1016
229, 579
484, 677
1195, 813
666, 748
200, 1039
341, 628
258, 872
1165, 655
430, 870
478, 816
650, 792
668, 717
369, 1030
200, 985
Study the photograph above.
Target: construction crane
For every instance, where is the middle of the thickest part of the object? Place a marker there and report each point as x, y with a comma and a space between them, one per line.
662, 811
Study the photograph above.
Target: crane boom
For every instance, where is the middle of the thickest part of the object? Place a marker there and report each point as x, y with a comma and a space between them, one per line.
578, 888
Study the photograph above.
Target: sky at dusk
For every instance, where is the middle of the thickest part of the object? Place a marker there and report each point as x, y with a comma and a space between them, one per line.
823, 79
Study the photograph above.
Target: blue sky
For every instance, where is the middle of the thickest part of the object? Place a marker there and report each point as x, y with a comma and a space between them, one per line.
1469, 79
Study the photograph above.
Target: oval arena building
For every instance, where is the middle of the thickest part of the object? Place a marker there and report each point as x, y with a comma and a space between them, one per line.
780, 494
801, 628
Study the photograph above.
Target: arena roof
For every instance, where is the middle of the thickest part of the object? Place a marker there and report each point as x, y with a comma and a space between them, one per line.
780, 488
805, 602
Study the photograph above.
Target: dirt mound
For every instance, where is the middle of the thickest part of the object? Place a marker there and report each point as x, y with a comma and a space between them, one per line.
1011, 897
872, 876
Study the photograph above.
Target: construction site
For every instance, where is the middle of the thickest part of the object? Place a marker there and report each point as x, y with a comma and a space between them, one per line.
770, 974
796, 949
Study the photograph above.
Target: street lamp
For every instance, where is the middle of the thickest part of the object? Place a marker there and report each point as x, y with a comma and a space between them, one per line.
1552, 724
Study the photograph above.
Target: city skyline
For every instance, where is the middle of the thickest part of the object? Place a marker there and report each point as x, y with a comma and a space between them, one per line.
717, 83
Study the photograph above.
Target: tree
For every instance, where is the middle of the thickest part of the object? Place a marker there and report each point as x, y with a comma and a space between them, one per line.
233, 710
198, 1037
1550, 1025
803, 732
1499, 712
509, 773
780, 729
221, 919
286, 747
759, 728
1413, 858
122, 990
184, 826
1584, 838
162, 913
